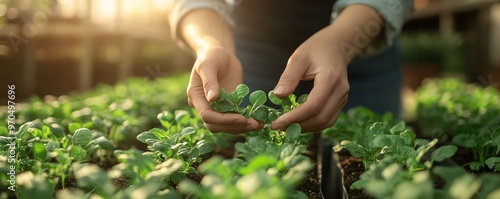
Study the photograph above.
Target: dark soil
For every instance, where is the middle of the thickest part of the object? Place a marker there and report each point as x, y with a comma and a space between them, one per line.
121, 183
352, 168
311, 186
464, 156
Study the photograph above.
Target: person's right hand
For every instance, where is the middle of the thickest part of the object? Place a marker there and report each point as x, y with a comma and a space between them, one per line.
216, 67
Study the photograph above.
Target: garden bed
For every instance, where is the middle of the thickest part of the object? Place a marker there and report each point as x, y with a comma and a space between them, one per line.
454, 153
115, 143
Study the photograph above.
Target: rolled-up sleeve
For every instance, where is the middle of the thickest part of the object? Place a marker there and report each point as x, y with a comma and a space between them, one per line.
394, 12
177, 9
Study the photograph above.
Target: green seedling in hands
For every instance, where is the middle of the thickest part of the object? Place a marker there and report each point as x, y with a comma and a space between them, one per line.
230, 103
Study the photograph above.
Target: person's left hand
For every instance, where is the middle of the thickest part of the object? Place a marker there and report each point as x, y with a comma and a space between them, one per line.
320, 59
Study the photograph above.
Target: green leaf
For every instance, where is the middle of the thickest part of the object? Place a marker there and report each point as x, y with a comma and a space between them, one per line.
187, 131
57, 130
87, 125
360, 184
257, 144
259, 162
353, 148
302, 99
4, 131
78, 153
82, 137
158, 146
381, 141
93, 177
408, 136
23, 129
73, 126
273, 114
292, 133
104, 143
182, 117
205, 146
493, 163
166, 116
4, 140
62, 157
464, 140
167, 119
261, 113
145, 136
273, 98
177, 176
258, 98
39, 151
495, 138
398, 127
52, 146
443, 152
33, 186
223, 107
475, 166
239, 93
190, 187
194, 153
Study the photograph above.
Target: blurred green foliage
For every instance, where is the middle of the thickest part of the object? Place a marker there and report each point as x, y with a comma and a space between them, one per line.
432, 48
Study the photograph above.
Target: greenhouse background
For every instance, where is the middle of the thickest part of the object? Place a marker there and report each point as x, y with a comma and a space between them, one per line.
94, 105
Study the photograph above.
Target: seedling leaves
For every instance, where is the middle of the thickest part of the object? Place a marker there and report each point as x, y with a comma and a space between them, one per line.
443, 152
82, 137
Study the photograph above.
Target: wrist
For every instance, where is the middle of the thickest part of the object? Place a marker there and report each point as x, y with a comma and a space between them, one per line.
352, 32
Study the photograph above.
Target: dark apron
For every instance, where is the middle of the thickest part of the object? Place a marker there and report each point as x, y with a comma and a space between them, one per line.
267, 32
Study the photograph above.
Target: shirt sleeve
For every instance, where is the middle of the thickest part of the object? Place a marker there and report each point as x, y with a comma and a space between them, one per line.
177, 9
394, 12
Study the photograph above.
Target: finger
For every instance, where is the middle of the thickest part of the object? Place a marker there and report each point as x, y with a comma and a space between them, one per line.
208, 76
293, 73
216, 121
312, 124
251, 125
314, 104
195, 88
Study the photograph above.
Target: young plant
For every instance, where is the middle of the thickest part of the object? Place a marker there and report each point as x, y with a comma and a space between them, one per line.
180, 141
270, 169
230, 103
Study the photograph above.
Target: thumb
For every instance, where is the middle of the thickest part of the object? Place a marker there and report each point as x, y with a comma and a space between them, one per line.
291, 77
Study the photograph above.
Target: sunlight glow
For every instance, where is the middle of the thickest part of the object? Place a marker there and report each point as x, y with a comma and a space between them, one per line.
117, 14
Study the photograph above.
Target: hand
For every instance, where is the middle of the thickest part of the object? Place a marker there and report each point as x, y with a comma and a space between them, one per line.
318, 59
324, 58
216, 67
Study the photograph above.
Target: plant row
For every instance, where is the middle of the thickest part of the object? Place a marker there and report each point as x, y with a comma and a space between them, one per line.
465, 115
454, 116
73, 161
120, 111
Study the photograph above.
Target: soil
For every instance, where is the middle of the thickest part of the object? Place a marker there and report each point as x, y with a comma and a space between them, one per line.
463, 156
352, 168
311, 186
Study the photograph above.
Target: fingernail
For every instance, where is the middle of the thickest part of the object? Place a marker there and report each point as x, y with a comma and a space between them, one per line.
279, 90
210, 95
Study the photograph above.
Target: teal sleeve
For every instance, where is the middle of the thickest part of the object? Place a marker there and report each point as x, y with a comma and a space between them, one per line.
394, 12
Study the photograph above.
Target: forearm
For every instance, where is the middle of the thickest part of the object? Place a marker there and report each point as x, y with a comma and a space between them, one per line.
393, 12
354, 29
203, 28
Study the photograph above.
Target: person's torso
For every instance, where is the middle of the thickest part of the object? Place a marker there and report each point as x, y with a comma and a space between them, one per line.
286, 23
